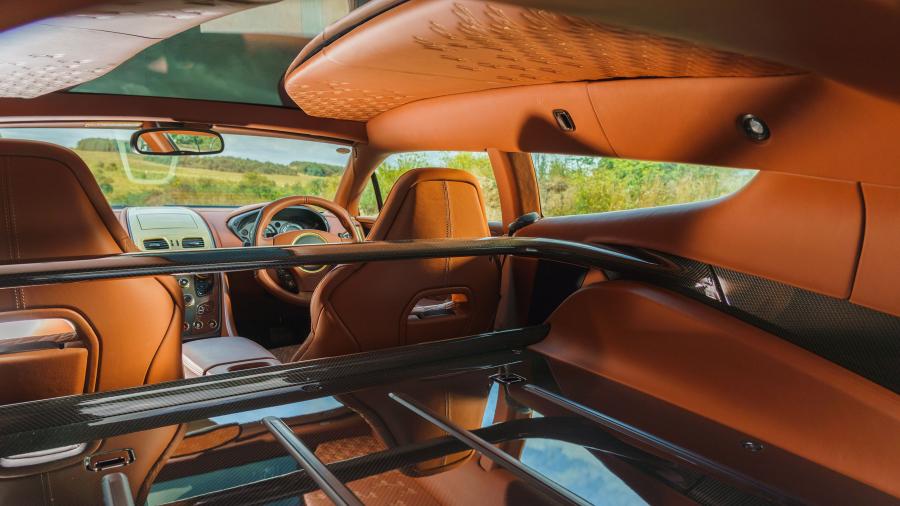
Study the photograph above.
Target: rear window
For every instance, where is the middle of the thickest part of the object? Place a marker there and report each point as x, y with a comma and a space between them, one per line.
591, 184
474, 162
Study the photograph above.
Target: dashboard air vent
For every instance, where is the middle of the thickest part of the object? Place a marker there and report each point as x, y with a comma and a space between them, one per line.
153, 244
193, 242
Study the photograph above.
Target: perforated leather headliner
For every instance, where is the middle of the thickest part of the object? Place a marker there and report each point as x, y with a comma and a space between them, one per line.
424, 49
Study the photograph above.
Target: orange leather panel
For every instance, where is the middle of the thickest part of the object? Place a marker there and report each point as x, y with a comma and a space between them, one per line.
423, 204
819, 128
878, 277
217, 220
702, 360
53, 208
69, 483
422, 49
513, 119
61, 372
800, 34
798, 230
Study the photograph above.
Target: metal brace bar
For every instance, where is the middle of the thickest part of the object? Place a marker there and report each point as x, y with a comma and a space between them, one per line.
501, 458
315, 468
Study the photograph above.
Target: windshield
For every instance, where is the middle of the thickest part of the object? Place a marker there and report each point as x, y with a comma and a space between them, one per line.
251, 169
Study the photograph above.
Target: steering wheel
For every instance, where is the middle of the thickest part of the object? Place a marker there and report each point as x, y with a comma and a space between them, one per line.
302, 278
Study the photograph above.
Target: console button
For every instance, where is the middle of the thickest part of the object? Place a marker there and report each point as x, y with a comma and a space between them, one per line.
202, 308
213, 324
198, 325
184, 282
188, 299
185, 327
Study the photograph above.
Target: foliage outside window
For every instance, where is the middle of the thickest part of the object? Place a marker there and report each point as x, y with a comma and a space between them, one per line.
252, 169
476, 163
588, 184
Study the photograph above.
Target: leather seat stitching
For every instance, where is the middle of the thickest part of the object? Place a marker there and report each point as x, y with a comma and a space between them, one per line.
449, 228
14, 240
7, 199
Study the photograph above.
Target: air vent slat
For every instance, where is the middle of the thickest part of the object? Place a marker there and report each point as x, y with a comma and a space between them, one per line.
154, 244
193, 242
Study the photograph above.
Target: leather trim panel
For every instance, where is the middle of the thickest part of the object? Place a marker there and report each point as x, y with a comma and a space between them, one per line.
878, 276
712, 364
798, 230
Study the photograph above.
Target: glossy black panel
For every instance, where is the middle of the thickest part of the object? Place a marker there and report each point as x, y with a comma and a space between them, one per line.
387, 455
860, 339
61, 421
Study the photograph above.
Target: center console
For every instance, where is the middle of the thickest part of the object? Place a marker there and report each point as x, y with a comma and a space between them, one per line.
204, 352
178, 229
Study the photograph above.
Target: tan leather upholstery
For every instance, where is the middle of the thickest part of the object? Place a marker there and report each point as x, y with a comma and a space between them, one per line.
423, 204
707, 362
51, 207
219, 355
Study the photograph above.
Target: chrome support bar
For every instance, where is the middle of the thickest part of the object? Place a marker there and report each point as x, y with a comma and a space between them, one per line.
501, 458
315, 468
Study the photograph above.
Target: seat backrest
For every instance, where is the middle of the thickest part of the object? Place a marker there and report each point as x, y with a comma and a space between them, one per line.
379, 305
126, 332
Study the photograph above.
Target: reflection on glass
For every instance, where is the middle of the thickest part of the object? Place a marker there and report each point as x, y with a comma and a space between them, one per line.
190, 486
287, 411
576, 469
237, 58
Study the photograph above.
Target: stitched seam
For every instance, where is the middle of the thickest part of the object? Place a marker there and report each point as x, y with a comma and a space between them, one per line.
4, 181
162, 341
20, 292
449, 228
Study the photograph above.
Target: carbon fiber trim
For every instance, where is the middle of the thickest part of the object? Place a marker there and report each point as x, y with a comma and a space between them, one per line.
245, 259
62, 421
859, 339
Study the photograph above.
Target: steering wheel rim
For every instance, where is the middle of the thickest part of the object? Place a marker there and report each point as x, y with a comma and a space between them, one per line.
305, 279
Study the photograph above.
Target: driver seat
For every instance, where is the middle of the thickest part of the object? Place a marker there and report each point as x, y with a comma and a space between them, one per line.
377, 305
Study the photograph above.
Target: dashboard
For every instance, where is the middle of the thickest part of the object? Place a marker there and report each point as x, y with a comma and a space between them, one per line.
292, 218
180, 228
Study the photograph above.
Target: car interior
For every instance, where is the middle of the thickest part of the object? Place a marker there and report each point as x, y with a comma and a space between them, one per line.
440, 252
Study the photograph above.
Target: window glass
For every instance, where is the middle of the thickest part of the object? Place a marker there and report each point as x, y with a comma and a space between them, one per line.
251, 169
476, 163
589, 184
236, 58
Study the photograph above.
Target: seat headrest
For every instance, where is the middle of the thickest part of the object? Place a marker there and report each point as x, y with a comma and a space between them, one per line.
432, 203
51, 206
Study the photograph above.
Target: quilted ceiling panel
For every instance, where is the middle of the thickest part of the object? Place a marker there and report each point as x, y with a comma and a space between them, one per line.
431, 48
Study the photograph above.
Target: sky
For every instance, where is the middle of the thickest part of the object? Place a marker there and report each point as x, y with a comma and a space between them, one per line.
270, 149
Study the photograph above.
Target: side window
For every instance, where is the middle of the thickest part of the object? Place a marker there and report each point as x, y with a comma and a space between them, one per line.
590, 184
476, 163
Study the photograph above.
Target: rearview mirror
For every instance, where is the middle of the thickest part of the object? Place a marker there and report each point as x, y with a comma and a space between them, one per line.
176, 142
